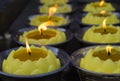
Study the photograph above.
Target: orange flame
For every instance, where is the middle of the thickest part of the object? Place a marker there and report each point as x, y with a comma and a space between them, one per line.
104, 23
108, 49
44, 26
52, 10
102, 12
101, 3
27, 46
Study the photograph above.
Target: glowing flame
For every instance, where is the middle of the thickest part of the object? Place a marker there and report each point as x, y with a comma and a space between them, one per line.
108, 49
103, 12
104, 23
27, 46
101, 3
52, 10
44, 26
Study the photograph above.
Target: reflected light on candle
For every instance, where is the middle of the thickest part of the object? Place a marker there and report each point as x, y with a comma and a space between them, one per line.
101, 3
52, 10
108, 49
28, 47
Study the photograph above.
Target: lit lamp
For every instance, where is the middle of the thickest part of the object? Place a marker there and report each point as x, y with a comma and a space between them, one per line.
39, 19
98, 18
102, 34
44, 35
98, 6
97, 63
36, 64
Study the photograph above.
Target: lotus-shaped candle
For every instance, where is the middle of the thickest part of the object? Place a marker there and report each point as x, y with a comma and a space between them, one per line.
103, 34
98, 6
40, 61
97, 63
99, 17
52, 2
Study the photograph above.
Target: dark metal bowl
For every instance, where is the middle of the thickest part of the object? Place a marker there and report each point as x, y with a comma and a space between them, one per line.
61, 26
68, 34
81, 15
52, 76
80, 33
86, 75
73, 9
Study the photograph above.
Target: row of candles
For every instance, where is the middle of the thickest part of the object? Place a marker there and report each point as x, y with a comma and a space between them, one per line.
42, 27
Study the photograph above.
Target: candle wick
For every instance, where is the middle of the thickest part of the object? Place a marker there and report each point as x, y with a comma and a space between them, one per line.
104, 30
108, 53
41, 34
29, 53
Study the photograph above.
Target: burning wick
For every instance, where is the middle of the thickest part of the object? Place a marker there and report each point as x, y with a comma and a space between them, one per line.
104, 25
52, 10
27, 46
108, 49
44, 26
101, 3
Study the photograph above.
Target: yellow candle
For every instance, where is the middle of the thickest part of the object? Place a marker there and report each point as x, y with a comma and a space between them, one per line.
49, 36
98, 60
97, 6
97, 34
40, 61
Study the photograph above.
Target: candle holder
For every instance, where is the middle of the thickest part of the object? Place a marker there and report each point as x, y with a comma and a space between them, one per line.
53, 75
68, 34
51, 2
79, 36
72, 9
80, 17
86, 75
113, 3
63, 20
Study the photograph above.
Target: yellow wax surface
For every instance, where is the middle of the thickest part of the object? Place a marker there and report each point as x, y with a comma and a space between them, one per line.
40, 61
88, 19
92, 36
52, 2
94, 7
61, 8
39, 19
95, 64
50, 36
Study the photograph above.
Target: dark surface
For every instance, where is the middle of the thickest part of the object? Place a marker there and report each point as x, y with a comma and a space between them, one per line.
31, 9
9, 10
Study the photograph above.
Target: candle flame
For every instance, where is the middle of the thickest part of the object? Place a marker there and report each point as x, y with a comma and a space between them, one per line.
102, 12
104, 23
108, 49
27, 46
44, 26
101, 3
52, 10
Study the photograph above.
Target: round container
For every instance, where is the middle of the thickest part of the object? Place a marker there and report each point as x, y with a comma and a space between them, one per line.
80, 33
86, 75
53, 76
72, 6
64, 45
81, 15
67, 18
